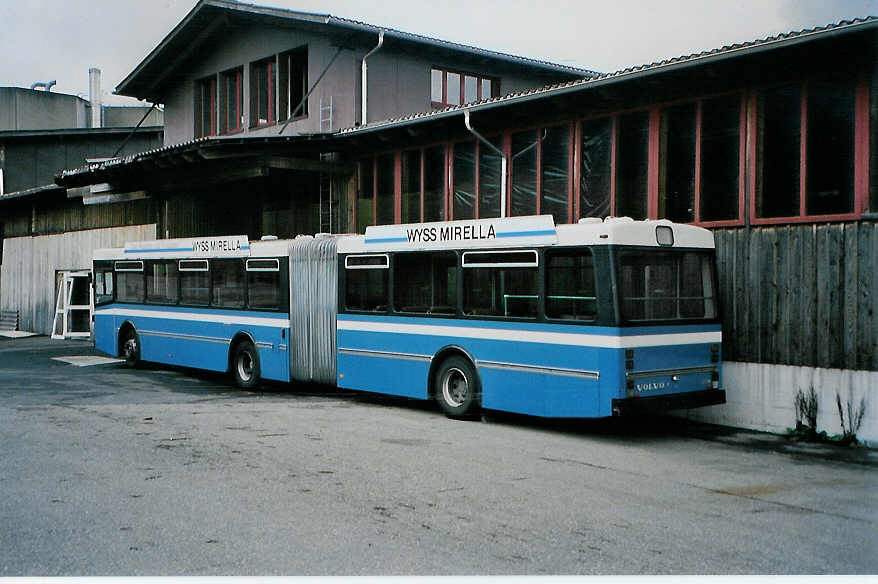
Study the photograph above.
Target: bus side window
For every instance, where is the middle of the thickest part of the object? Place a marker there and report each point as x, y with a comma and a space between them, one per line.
425, 283
130, 286
194, 282
570, 285
227, 290
366, 282
161, 282
501, 283
103, 285
263, 283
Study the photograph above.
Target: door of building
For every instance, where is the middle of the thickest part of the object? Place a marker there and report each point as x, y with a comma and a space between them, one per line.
73, 304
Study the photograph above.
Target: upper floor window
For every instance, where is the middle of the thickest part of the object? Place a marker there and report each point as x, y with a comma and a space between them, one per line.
205, 107
263, 92
293, 83
456, 88
231, 100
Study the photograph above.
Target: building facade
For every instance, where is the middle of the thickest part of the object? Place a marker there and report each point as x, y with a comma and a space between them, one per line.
769, 143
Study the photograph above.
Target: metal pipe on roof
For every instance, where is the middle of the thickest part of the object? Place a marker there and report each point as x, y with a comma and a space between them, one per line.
365, 81
504, 163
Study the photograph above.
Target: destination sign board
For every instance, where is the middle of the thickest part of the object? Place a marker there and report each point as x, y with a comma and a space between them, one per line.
191, 247
533, 230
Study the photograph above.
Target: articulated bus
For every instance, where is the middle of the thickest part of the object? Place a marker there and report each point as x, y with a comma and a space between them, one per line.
601, 318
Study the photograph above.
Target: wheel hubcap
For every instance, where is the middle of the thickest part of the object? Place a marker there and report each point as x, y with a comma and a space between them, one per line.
245, 366
130, 348
454, 387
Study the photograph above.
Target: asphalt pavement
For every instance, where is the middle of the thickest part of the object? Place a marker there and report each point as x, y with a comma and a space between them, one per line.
106, 471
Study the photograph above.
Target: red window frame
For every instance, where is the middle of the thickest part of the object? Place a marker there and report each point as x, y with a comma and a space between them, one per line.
208, 87
269, 68
226, 78
495, 87
860, 162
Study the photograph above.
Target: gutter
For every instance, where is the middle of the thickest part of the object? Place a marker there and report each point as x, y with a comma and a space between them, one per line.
504, 161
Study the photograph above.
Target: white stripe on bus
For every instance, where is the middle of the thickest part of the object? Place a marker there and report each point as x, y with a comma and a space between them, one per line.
197, 317
554, 338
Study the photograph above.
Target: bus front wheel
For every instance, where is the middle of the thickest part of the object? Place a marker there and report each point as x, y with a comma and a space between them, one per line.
130, 348
245, 365
457, 388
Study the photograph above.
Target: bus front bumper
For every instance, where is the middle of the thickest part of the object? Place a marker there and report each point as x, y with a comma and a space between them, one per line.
661, 403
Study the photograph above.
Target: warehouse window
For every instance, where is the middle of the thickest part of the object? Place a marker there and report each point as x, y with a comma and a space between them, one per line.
205, 107
490, 166
231, 101
632, 164
449, 88
806, 149
464, 180
595, 173
293, 83
263, 92
411, 186
385, 200
677, 163
555, 173
720, 159
434, 183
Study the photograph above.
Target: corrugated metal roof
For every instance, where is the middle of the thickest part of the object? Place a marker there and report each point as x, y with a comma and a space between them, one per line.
727, 51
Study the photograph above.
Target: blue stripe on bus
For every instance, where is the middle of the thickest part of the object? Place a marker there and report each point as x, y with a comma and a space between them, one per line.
386, 240
526, 233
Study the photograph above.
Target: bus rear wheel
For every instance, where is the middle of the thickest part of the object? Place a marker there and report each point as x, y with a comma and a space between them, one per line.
245, 365
456, 388
130, 348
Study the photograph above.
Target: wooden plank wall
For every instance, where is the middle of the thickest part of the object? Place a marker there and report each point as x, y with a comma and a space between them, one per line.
27, 273
800, 294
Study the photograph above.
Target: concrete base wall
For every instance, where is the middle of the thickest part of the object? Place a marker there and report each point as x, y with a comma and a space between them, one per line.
762, 397
29, 265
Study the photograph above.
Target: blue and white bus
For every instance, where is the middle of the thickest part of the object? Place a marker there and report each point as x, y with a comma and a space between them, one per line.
600, 318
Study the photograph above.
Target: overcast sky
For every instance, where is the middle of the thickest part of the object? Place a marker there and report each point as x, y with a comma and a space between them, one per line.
41, 40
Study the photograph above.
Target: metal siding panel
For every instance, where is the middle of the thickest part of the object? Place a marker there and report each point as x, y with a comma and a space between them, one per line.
29, 265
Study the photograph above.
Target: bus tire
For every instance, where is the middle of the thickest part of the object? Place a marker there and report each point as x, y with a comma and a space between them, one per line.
129, 347
456, 388
245, 365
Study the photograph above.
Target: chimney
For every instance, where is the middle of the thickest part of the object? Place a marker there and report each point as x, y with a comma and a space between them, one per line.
94, 96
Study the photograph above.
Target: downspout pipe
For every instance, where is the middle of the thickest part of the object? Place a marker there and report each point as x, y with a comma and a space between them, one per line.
365, 75
504, 161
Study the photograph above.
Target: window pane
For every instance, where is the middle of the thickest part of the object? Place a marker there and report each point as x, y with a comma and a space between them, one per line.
570, 286
470, 89
436, 85
161, 282
555, 169
486, 89
425, 283
777, 184
511, 292
453, 93
130, 286
228, 283
490, 173
464, 180
385, 199
830, 168
195, 288
594, 168
263, 290
666, 285
366, 290
434, 183
720, 158
677, 164
411, 186
632, 165
524, 173
365, 195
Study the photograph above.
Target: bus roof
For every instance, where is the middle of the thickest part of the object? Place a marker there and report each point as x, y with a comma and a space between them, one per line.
536, 231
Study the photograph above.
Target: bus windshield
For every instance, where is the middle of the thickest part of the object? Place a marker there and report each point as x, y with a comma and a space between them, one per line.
666, 285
